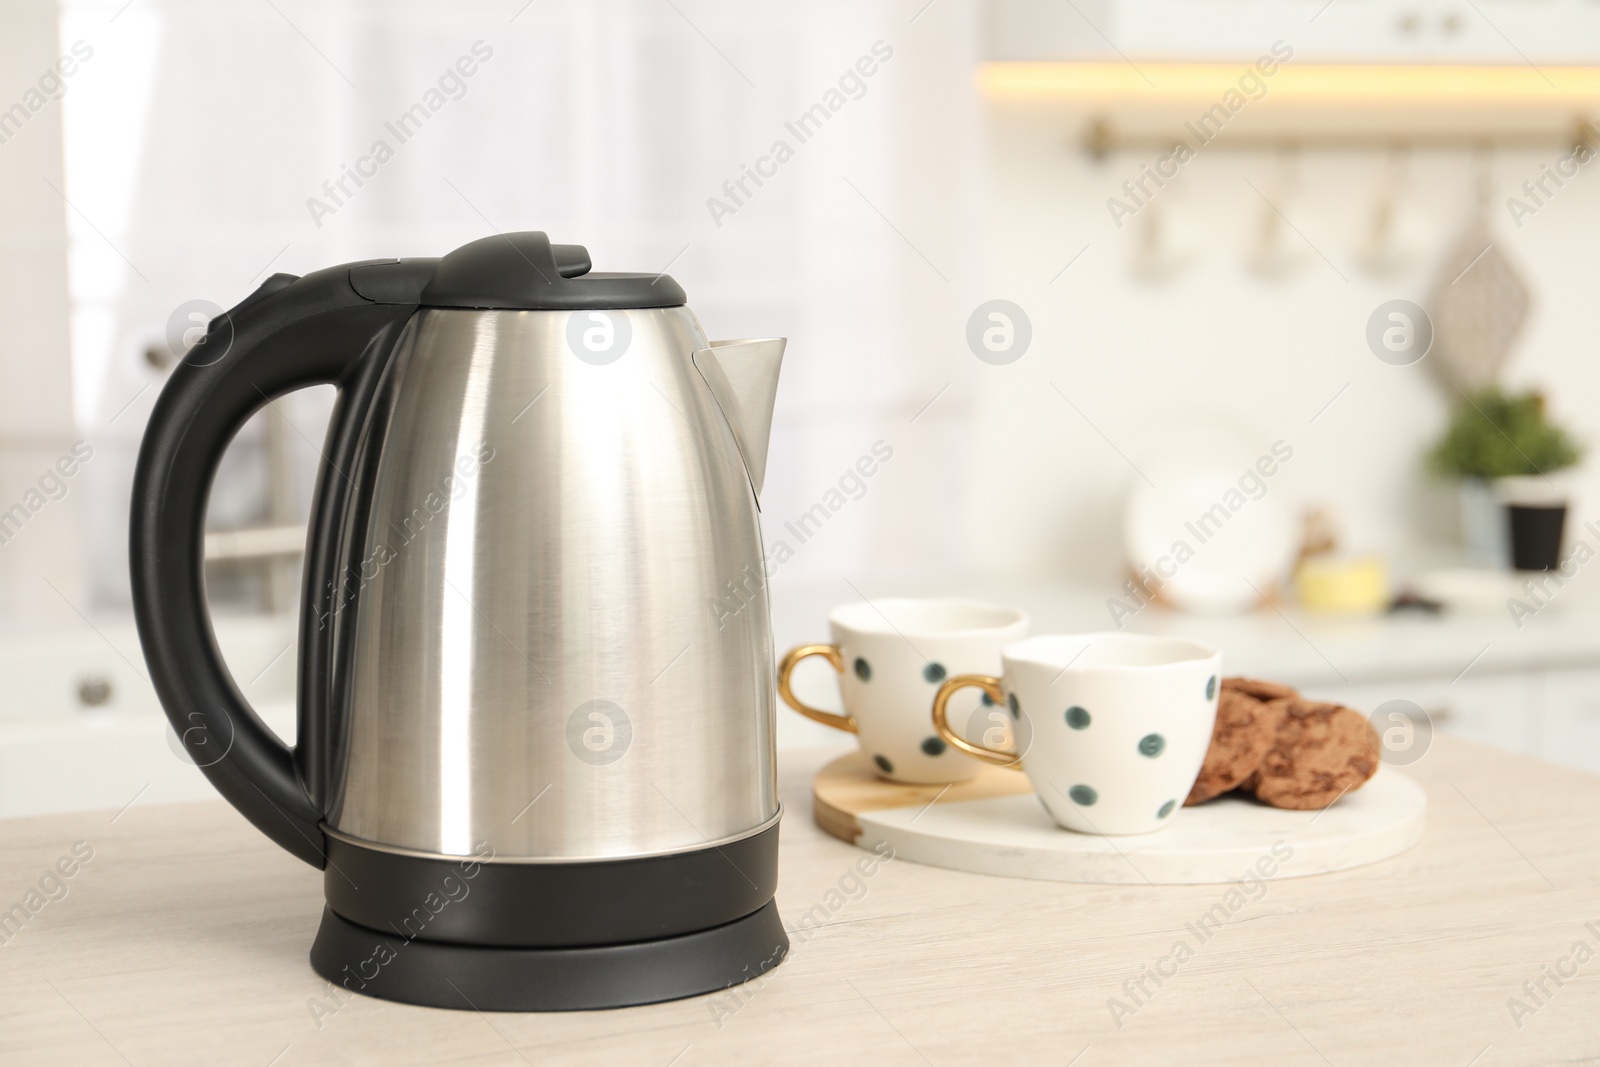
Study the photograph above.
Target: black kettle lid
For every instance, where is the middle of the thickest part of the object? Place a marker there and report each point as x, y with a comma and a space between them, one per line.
524, 271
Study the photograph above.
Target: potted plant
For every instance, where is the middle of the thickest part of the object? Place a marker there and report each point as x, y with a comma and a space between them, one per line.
1504, 449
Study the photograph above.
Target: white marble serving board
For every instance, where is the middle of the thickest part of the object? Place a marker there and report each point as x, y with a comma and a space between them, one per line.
1216, 842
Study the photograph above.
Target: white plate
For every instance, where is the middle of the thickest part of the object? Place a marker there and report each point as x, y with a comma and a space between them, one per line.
1207, 499
1220, 841
1469, 589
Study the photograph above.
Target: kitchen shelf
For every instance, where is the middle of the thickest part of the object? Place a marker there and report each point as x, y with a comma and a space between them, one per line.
1122, 104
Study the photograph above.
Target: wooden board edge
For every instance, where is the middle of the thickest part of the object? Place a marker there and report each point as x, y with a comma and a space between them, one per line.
833, 821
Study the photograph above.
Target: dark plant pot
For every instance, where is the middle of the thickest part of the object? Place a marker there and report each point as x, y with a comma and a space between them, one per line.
1536, 535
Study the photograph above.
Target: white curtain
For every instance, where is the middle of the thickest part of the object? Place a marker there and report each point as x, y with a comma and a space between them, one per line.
200, 131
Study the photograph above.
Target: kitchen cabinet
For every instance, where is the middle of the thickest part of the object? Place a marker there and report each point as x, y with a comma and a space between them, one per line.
80, 726
1533, 689
1551, 713
1565, 719
1495, 709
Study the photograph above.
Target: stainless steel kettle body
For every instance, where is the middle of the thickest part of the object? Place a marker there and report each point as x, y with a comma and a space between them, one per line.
535, 746
541, 664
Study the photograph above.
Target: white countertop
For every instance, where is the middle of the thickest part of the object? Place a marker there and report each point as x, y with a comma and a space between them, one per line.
1285, 644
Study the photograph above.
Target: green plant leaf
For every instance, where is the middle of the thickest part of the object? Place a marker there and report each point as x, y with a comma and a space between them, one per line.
1493, 434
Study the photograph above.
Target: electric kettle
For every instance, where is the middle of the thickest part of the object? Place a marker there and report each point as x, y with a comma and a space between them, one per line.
535, 753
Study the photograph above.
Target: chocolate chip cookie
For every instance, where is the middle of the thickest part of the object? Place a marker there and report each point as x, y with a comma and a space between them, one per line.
1257, 688
1318, 752
1244, 731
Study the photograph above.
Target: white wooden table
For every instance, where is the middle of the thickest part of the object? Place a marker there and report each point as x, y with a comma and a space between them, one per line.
184, 940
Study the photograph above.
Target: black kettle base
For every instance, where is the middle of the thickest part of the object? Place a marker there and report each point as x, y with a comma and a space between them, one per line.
491, 978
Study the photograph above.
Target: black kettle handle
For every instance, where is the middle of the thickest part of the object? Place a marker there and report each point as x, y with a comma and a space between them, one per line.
334, 326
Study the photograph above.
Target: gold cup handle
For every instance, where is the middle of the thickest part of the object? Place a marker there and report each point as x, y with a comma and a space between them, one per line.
791, 659
941, 719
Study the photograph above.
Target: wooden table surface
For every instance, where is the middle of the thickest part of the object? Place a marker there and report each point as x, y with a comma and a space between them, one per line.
184, 939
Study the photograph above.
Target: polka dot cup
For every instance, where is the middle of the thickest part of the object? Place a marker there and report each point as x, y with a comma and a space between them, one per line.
1118, 724
891, 656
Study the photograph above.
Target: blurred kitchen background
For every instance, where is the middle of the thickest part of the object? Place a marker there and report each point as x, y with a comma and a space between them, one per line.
1172, 319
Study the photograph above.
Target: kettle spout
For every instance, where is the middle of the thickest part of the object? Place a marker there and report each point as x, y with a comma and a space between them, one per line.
743, 377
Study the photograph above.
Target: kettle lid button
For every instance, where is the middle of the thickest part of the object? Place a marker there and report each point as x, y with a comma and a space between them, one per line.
524, 271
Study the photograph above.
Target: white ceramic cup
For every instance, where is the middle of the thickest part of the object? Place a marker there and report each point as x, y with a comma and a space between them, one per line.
1112, 728
891, 656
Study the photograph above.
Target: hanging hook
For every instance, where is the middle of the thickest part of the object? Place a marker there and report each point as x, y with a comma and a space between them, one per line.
1271, 256
1483, 160
1381, 253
